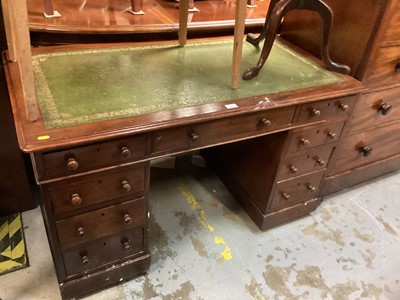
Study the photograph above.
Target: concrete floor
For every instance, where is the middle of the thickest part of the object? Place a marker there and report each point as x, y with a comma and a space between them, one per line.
204, 246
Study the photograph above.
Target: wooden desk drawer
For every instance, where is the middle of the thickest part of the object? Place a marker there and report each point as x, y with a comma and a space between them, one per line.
86, 158
104, 250
376, 108
100, 223
315, 136
92, 189
309, 161
297, 189
383, 142
202, 134
338, 108
386, 67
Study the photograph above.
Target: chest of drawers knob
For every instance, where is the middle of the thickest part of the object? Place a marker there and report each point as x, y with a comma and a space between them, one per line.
320, 162
293, 169
384, 108
126, 187
126, 245
311, 188
81, 231
72, 164
285, 196
264, 122
314, 112
85, 259
304, 142
194, 136
331, 135
365, 150
127, 219
125, 152
343, 107
75, 199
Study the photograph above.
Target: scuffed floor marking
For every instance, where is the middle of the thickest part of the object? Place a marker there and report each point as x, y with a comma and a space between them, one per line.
327, 234
191, 199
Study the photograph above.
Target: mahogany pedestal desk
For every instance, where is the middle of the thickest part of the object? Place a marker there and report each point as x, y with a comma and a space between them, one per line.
271, 150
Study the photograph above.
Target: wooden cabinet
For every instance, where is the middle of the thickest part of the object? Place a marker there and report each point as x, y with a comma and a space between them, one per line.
96, 216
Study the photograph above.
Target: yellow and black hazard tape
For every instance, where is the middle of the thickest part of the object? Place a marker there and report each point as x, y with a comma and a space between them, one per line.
12, 245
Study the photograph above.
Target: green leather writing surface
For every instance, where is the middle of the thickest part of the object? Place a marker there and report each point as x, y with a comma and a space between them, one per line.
76, 87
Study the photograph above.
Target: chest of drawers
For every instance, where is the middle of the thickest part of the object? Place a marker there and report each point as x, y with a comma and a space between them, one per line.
96, 211
371, 145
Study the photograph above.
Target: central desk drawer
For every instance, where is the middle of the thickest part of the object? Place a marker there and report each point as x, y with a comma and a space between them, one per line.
93, 189
85, 158
296, 189
104, 250
100, 223
318, 135
202, 134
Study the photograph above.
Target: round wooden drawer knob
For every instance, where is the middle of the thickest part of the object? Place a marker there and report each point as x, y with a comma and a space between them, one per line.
311, 188
343, 107
125, 152
194, 136
315, 112
304, 142
320, 162
126, 245
285, 196
76, 199
127, 219
365, 150
72, 164
331, 135
264, 122
293, 169
81, 231
384, 108
126, 187
85, 259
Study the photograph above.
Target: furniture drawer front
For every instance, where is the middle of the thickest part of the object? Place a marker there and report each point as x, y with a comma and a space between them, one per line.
202, 134
86, 158
338, 108
297, 189
376, 108
89, 190
104, 250
386, 67
368, 146
315, 136
309, 161
393, 32
100, 223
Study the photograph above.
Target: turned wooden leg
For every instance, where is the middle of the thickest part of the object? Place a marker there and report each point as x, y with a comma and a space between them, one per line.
48, 7
251, 38
276, 11
183, 21
327, 19
136, 6
271, 29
